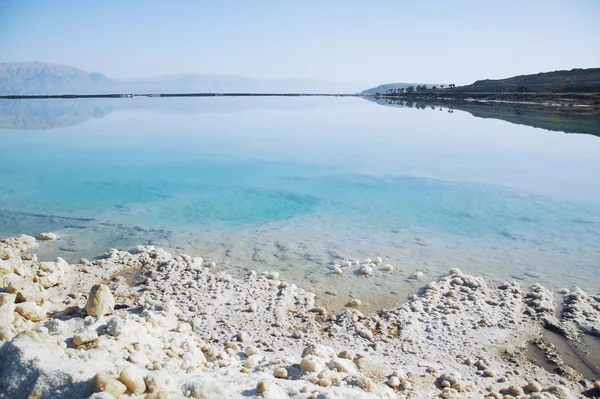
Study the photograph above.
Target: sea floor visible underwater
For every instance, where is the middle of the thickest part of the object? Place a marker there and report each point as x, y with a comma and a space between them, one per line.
299, 185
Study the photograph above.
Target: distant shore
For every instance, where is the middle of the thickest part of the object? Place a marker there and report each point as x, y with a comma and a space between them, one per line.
588, 100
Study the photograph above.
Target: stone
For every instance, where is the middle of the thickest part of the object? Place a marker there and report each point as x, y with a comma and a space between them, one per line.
133, 379
7, 299
7, 315
417, 276
360, 381
312, 363
597, 385
26, 291
47, 237
338, 270
242, 336
261, 386
280, 373
100, 301
394, 382
371, 367
515, 390
102, 382
366, 270
342, 365
378, 261
449, 393
85, 338
320, 310
156, 380
533, 386
6, 334
354, 303
30, 311
388, 268
324, 382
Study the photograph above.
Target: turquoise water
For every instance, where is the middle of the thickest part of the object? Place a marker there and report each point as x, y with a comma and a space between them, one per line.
296, 184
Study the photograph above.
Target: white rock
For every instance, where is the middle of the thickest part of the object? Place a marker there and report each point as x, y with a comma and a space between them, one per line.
394, 382
100, 301
7, 315
338, 270
534, 386
388, 268
366, 270
26, 291
417, 276
7, 299
280, 373
242, 336
272, 276
354, 303
250, 350
157, 380
104, 383
378, 260
47, 237
30, 311
342, 365
133, 378
312, 363
84, 338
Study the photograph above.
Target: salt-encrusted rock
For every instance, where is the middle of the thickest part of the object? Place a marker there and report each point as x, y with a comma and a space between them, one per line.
388, 268
85, 338
156, 380
272, 276
378, 261
449, 393
30, 311
47, 237
250, 350
354, 303
338, 270
394, 382
6, 334
280, 373
366, 270
52, 273
417, 276
597, 385
7, 315
371, 367
102, 382
312, 363
26, 291
133, 378
534, 386
364, 383
342, 365
7, 299
262, 386
320, 310
559, 392
100, 302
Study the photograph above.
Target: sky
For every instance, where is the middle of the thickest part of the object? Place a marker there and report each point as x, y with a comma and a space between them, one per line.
369, 42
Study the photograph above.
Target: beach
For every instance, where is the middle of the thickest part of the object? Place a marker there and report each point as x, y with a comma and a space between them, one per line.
180, 327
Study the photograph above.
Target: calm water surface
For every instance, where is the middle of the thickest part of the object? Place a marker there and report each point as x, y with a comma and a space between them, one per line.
298, 184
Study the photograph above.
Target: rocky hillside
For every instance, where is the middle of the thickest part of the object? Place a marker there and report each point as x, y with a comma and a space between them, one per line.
573, 81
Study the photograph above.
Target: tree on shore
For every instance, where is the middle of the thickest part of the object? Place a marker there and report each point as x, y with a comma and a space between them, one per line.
433, 87
442, 86
410, 89
452, 86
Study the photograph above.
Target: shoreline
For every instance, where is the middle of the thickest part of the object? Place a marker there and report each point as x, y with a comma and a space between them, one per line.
581, 100
187, 329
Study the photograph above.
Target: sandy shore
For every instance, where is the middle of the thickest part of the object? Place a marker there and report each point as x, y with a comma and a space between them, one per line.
178, 327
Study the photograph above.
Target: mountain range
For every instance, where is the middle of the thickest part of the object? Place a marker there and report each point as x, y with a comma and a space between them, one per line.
27, 78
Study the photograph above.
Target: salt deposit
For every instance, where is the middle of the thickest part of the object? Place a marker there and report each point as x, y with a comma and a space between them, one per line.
189, 331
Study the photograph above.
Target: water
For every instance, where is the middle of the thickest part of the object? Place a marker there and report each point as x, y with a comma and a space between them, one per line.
298, 184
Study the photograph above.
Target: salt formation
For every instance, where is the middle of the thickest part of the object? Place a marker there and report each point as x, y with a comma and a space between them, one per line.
187, 331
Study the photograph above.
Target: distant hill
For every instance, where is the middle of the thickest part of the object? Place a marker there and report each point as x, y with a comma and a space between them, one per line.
385, 87
38, 77
573, 81
41, 78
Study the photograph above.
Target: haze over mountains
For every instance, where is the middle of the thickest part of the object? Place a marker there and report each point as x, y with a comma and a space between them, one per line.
23, 78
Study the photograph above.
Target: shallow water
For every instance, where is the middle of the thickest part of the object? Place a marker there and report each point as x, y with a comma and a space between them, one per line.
298, 184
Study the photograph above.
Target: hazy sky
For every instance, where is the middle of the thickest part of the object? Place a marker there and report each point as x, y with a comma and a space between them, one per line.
368, 42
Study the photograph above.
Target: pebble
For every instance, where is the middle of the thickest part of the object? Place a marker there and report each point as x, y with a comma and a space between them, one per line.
252, 308
7, 299
388, 268
84, 338
261, 386
100, 301
515, 390
394, 382
338, 270
366, 270
533, 386
597, 385
133, 379
417, 276
324, 382
354, 303
378, 260
102, 382
320, 310
280, 373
